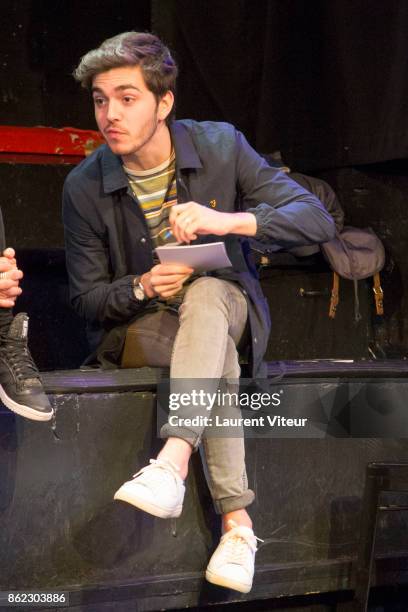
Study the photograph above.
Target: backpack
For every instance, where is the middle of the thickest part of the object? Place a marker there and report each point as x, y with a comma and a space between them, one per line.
355, 254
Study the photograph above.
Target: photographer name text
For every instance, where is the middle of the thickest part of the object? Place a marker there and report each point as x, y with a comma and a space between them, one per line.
217, 421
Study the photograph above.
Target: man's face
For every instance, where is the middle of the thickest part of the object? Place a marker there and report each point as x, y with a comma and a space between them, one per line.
126, 111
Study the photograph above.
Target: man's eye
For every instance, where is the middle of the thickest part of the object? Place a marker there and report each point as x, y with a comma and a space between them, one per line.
128, 99
99, 101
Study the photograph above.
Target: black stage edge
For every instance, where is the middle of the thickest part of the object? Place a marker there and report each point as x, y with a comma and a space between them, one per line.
87, 380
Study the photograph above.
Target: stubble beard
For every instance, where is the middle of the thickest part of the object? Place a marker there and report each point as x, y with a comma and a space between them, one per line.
148, 133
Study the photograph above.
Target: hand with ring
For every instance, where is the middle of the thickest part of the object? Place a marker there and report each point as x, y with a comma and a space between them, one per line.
190, 219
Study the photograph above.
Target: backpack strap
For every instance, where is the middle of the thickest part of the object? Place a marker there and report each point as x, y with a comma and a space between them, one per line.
357, 313
378, 294
334, 298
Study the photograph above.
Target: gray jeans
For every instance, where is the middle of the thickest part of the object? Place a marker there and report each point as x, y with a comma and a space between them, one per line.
200, 343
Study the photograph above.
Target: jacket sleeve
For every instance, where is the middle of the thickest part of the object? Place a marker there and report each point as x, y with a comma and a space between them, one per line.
286, 214
94, 293
326, 195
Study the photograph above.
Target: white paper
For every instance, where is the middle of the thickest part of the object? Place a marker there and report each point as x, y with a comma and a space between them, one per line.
201, 257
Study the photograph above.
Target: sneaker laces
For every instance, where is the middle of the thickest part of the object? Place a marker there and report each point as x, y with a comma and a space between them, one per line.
18, 357
156, 475
14, 350
236, 542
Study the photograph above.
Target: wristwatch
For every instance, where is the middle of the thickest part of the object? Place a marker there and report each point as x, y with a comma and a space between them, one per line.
138, 289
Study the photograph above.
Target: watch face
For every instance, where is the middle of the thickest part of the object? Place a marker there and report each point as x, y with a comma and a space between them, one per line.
139, 293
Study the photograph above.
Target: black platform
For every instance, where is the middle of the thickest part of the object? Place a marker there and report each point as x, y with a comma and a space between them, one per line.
60, 528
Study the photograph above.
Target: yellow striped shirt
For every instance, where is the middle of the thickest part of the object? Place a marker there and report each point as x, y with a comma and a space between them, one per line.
156, 192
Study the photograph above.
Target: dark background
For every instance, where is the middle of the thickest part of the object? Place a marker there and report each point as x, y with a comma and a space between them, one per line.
326, 82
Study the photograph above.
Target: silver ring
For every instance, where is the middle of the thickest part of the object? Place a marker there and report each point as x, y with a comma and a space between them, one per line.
3, 275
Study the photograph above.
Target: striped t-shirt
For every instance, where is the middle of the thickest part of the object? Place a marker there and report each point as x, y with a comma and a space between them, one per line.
156, 192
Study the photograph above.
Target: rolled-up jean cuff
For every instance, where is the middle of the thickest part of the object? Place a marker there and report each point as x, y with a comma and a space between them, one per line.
169, 431
237, 502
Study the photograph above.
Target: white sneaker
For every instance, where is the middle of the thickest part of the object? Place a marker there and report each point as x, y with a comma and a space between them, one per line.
156, 488
232, 564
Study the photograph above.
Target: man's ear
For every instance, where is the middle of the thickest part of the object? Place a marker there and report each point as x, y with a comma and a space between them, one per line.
165, 105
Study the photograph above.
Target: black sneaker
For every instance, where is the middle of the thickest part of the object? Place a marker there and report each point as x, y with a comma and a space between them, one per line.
21, 388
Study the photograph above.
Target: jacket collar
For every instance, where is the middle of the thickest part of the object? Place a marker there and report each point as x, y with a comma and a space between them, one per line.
186, 152
114, 177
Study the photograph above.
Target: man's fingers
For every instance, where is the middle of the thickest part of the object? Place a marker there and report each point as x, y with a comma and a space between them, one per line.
184, 221
170, 269
187, 229
176, 231
166, 291
166, 286
6, 284
10, 279
7, 303
182, 234
14, 275
167, 279
185, 224
7, 264
167, 282
9, 253
10, 292
177, 209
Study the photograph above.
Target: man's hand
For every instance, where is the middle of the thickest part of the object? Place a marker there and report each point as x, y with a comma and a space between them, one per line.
191, 219
10, 277
165, 280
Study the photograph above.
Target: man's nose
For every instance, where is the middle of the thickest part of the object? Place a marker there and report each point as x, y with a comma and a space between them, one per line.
113, 111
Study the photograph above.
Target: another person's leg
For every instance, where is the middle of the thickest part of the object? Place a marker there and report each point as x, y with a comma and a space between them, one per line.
21, 388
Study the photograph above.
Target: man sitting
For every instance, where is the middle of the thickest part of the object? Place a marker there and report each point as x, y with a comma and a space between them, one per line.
158, 181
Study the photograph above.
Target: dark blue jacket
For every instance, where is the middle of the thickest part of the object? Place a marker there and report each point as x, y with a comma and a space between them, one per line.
108, 242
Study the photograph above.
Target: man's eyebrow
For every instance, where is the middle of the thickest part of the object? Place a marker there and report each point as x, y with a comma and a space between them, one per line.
118, 88
127, 86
